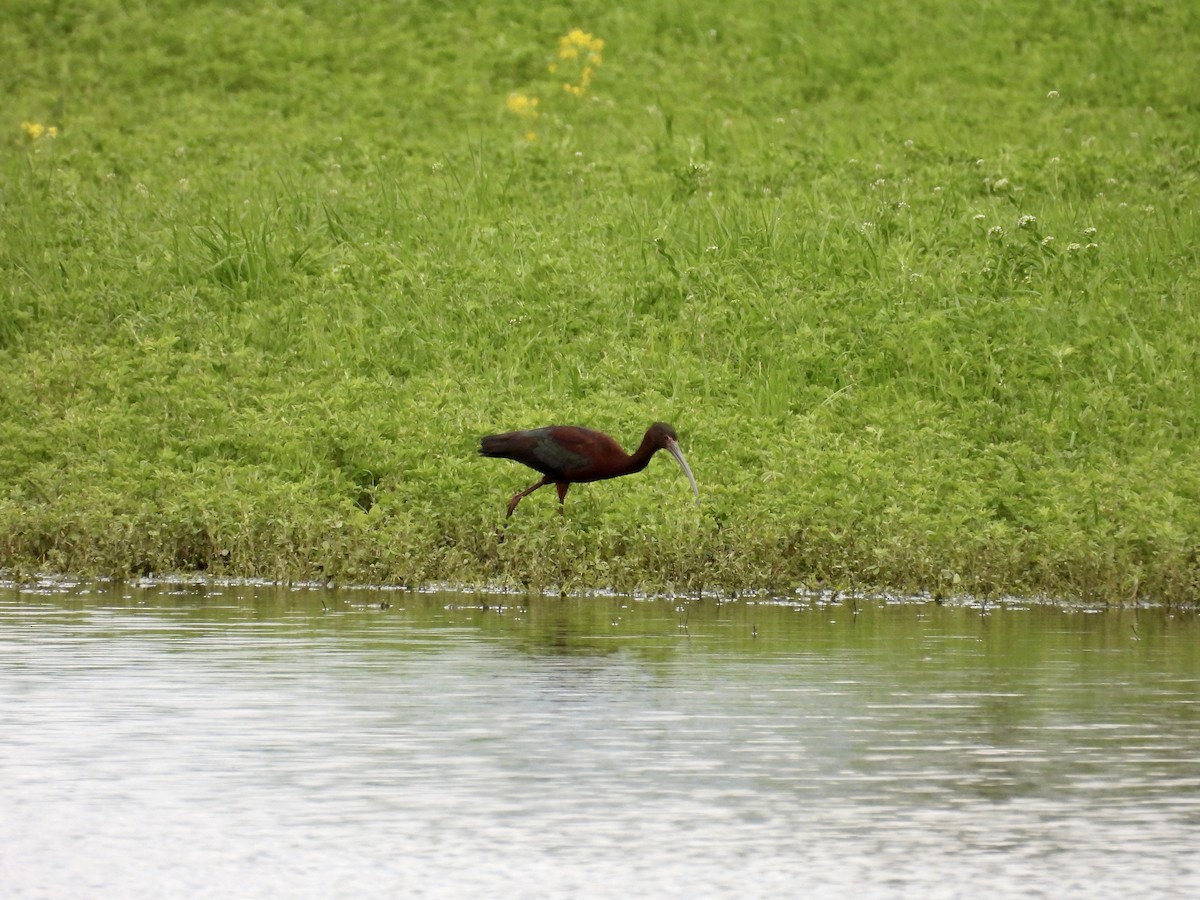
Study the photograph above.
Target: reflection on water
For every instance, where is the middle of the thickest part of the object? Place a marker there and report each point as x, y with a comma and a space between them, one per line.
188, 740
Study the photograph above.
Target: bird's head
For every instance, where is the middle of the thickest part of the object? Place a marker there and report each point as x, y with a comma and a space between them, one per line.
660, 433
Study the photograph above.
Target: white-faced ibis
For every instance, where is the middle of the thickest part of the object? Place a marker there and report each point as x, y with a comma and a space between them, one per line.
566, 454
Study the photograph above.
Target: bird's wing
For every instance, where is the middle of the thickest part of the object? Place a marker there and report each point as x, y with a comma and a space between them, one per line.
558, 450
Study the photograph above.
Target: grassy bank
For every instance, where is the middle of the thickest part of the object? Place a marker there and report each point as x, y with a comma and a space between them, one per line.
917, 285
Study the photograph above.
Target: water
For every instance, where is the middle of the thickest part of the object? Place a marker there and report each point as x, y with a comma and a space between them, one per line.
258, 742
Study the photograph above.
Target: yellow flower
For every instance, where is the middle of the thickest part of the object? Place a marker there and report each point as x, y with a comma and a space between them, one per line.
587, 50
36, 130
522, 105
577, 39
531, 136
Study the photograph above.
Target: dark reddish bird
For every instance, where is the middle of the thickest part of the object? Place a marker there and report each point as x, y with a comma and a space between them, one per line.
566, 454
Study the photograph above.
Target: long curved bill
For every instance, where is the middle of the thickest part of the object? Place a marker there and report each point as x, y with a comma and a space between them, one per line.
673, 449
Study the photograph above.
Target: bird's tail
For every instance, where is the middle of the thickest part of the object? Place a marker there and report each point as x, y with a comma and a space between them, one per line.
498, 445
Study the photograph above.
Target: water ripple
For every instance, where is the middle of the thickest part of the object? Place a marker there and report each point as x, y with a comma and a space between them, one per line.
259, 743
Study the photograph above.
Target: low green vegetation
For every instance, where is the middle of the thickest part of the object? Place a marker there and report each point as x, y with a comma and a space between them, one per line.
917, 283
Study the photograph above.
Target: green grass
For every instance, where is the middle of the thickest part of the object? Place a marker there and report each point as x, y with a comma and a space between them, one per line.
917, 284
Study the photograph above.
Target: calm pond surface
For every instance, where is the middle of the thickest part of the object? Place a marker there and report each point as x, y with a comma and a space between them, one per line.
186, 740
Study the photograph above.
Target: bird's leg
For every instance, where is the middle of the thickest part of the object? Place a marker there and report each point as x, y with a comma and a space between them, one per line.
512, 504
562, 493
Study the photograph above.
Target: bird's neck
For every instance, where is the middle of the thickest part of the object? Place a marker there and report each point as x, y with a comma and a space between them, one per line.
641, 456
